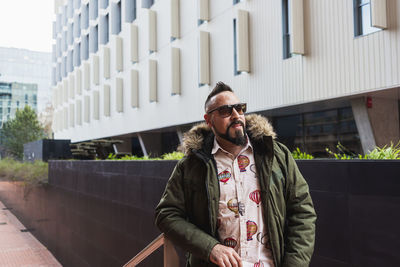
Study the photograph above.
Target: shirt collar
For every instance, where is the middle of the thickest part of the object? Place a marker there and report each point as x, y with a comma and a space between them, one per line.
217, 147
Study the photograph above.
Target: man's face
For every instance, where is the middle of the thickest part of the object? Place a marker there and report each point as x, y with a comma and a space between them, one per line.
231, 128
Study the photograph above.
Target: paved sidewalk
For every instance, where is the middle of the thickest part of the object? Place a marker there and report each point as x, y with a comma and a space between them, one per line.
20, 248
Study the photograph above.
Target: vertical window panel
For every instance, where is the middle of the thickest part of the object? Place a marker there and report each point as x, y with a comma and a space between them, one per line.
130, 10
297, 27
242, 42
71, 86
86, 76
152, 31
104, 32
175, 71
71, 115
116, 18
65, 90
134, 88
379, 15
204, 58
85, 16
204, 13
106, 62
106, 97
86, 113
175, 31
119, 54
78, 81
147, 3
119, 94
152, 80
94, 10
134, 44
96, 107
95, 68
79, 112
93, 41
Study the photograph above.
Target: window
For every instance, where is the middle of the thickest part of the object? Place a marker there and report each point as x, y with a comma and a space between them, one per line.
130, 10
147, 3
286, 28
116, 18
104, 29
362, 18
235, 70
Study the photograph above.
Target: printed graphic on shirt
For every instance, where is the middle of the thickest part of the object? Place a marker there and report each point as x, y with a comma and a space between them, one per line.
258, 264
233, 206
263, 239
253, 168
224, 176
251, 229
255, 196
230, 242
243, 162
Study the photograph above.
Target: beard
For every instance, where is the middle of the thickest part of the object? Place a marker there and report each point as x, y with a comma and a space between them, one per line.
238, 139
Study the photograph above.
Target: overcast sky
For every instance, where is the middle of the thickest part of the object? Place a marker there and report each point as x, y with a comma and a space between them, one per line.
26, 24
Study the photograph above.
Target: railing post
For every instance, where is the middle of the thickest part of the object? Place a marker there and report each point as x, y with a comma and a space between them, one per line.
171, 258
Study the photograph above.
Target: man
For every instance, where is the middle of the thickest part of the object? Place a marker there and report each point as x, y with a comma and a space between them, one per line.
237, 198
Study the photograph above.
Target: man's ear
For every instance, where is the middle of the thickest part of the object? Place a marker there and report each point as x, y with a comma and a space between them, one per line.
207, 118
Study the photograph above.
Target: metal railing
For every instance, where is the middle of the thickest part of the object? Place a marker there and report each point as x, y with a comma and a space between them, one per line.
171, 258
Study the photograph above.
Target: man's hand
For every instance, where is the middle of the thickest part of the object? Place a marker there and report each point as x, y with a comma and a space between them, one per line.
224, 256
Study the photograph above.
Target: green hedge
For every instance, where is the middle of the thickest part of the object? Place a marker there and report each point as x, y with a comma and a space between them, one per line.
31, 173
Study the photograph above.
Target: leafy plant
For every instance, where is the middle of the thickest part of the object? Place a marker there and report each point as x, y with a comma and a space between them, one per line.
386, 152
168, 156
297, 154
24, 128
30, 173
173, 156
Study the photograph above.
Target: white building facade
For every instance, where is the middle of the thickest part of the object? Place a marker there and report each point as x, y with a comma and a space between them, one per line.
134, 69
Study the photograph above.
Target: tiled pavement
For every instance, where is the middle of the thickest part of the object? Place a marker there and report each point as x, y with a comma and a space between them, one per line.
20, 248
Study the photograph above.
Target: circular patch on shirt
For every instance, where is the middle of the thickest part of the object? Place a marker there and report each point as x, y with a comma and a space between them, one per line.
230, 242
224, 176
233, 206
251, 229
243, 162
255, 196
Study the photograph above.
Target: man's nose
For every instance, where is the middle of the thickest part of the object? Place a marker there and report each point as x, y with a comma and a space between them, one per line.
234, 114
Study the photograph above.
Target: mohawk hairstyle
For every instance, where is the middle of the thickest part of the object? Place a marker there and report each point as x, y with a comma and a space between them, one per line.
219, 88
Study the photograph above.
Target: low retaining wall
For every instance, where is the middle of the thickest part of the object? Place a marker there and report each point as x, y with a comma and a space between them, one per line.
101, 213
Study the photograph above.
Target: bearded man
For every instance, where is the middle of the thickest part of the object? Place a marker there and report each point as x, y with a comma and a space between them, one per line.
237, 198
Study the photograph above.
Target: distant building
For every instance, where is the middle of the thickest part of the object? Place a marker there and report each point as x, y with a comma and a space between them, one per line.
22, 66
323, 71
15, 96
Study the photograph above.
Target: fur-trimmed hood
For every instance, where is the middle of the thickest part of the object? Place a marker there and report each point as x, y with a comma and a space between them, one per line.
257, 127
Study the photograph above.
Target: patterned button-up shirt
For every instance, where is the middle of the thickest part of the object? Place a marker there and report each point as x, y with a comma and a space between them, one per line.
240, 217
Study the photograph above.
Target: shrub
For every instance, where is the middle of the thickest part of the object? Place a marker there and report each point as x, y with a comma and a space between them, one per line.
168, 156
386, 152
297, 154
30, 173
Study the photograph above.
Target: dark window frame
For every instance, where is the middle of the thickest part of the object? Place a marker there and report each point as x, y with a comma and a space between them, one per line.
285, 29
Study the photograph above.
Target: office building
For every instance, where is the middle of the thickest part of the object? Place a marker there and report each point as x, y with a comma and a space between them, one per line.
140, 71
26, 67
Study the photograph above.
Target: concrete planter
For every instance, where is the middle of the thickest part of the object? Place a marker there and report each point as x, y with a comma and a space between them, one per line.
101, 213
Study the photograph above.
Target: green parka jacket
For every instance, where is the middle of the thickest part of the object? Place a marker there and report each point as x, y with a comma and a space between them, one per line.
188, 210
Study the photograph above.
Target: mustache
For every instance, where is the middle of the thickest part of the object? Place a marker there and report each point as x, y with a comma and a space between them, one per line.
235, 122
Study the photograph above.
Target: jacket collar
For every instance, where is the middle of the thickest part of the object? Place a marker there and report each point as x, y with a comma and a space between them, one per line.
200, 138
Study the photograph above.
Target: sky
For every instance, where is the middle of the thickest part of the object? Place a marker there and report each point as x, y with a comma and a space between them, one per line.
26, 24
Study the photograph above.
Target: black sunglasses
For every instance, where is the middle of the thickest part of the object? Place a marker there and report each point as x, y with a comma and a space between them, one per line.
226, 110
